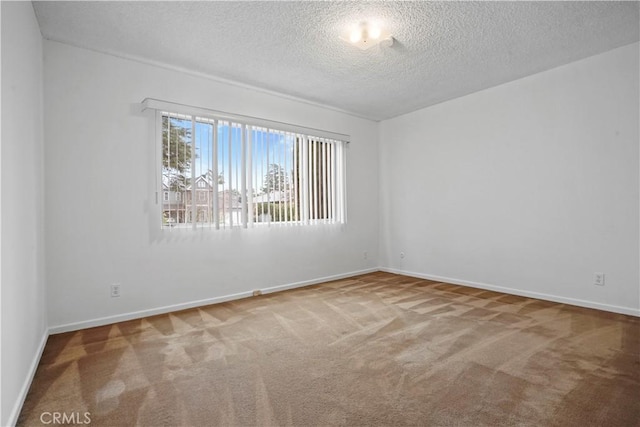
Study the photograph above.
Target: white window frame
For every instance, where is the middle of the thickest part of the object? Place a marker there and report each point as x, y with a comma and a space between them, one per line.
332, 209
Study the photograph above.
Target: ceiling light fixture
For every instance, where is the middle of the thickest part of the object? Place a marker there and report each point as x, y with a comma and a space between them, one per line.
365, 36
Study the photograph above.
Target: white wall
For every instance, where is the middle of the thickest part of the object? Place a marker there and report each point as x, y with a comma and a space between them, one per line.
101, 221
23, 295
531, 186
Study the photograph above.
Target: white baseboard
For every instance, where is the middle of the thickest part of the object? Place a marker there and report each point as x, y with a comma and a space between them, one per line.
17, 406
571, 301
316, 281
199, 303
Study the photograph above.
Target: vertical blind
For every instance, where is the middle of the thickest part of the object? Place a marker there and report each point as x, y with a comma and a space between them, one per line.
219, 173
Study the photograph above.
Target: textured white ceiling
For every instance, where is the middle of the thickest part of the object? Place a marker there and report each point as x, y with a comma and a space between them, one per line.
443, 50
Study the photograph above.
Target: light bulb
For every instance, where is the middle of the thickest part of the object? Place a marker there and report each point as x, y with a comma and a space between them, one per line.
366, 35
355, 36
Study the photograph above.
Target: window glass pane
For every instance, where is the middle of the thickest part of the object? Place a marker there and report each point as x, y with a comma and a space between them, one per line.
272, 171
176, 167
205, 181
229, 166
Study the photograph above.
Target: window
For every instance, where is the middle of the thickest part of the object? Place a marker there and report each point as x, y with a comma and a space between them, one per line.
247, 175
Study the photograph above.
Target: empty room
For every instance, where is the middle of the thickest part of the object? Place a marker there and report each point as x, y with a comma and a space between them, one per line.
319, 213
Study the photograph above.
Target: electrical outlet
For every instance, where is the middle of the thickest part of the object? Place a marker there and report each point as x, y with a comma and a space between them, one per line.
365, 255
115, 290
257, 293
401, 254
598, 279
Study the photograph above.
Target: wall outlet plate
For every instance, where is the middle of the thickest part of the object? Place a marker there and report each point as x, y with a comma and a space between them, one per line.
598, 279
115, 290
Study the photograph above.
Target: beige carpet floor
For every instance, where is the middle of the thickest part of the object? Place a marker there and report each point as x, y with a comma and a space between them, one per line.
374, 350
